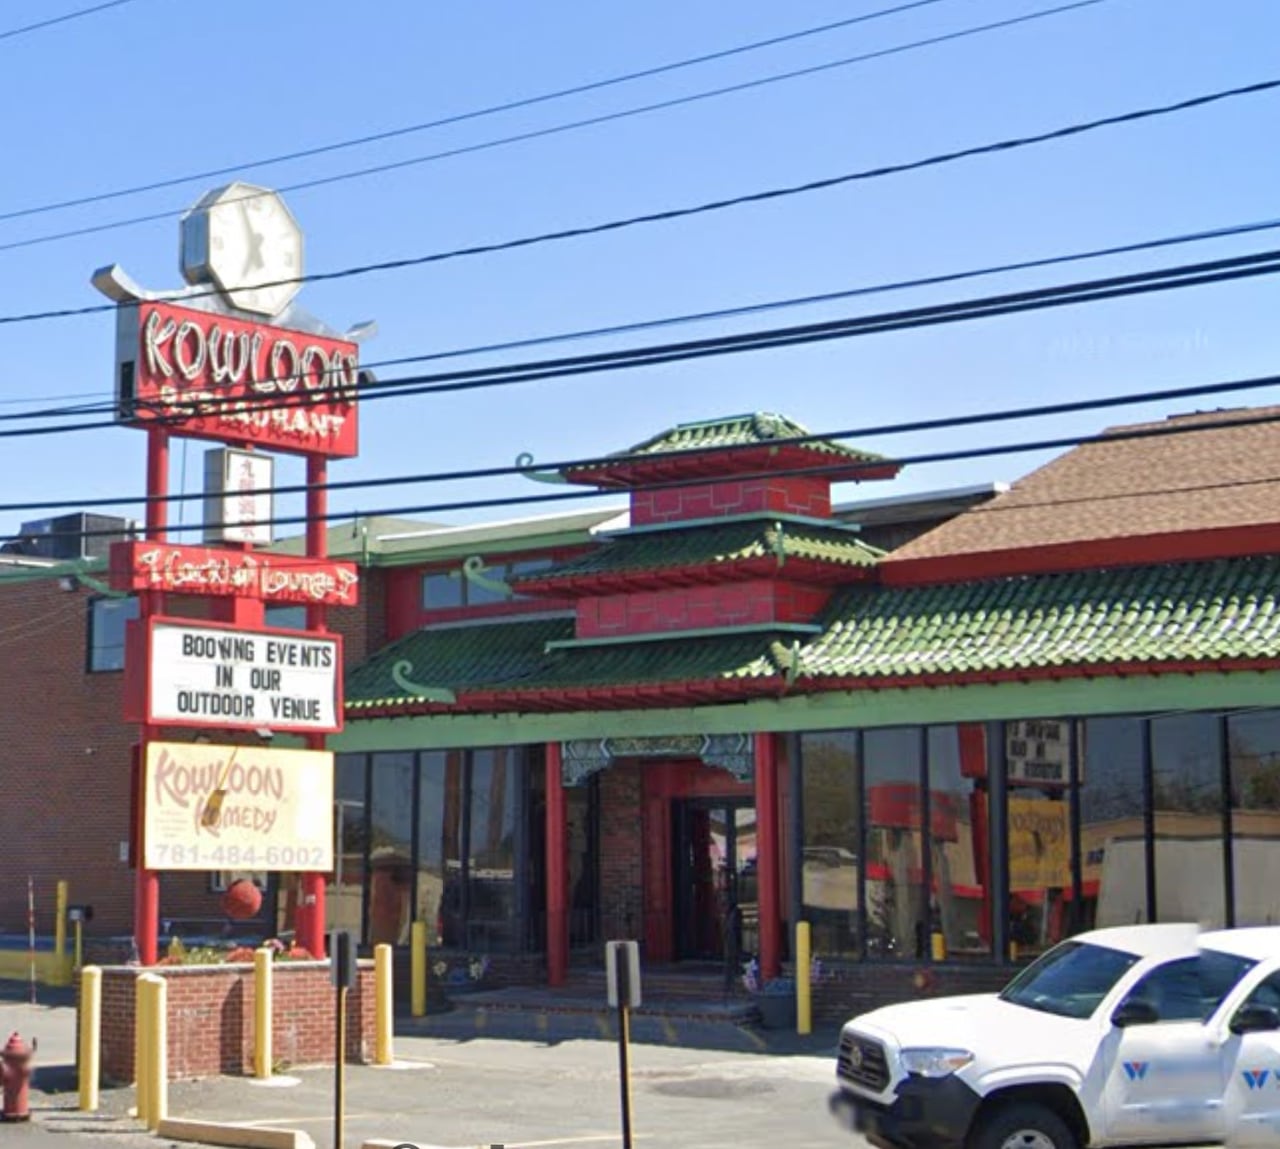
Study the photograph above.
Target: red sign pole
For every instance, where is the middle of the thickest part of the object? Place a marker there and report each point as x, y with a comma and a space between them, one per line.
146, 900
311, 908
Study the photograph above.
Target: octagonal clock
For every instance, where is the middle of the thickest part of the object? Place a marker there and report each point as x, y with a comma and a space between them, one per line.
244, 240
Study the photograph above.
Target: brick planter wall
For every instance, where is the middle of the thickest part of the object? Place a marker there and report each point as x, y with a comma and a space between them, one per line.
211, 1018
853, 988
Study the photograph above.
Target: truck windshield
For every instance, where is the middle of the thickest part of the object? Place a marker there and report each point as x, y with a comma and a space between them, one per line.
1070, 980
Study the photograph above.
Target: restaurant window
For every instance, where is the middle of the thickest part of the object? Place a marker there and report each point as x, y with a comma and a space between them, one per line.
1186, 790
108, 619
831, 815
1038, 755
491, 901
439, 814
582, 817
1112, 830
1253, 742
391, 848
443, 590
897, 918
285, 616
959, 842
344, 894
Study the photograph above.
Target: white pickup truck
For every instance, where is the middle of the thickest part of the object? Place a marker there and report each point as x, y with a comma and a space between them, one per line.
1140, 1035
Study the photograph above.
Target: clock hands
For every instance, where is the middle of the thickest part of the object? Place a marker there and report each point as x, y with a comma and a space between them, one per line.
254, 259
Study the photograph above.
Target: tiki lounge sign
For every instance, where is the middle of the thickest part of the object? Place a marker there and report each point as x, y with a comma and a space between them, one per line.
179, 569
237, 807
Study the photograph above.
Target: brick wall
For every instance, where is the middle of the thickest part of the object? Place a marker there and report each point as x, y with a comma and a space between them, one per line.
795, 495
691, 608
211, 1018
852, 988
621, 852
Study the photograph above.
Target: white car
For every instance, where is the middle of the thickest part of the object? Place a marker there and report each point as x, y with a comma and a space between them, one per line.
1139, 1035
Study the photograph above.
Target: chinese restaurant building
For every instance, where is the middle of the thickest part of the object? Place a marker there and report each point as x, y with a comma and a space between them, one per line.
946, 731
1056, 709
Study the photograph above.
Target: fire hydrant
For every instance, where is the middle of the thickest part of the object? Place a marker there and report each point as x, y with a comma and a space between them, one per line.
15, 1070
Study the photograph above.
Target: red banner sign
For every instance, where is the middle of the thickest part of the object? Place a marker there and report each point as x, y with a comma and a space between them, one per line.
182, 569
213, 376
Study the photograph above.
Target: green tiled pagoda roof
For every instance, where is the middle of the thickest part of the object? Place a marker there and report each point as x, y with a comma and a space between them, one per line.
1226, 610
754, 430
710, 545
1210, 612
456, 657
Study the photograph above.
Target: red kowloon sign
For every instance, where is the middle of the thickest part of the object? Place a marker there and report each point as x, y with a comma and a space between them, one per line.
213, 376
181, 569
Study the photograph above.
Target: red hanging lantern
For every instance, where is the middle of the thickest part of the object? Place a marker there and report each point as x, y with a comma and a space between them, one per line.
241, 900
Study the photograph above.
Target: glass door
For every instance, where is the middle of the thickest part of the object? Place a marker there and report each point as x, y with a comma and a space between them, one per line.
715, 899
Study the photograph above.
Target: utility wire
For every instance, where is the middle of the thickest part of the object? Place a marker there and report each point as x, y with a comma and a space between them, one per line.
540, 133
463, 117
106, 406
846, 470
11, 33
1141, 283
670, 214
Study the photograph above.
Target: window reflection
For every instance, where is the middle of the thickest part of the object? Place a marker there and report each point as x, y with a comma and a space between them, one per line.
958, 839
391, 849
1254, 748
832, 812
1113, 852
344, 892
1186, 785
897, 925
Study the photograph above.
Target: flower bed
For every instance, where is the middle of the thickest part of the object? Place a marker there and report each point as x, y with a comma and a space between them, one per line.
211, 1015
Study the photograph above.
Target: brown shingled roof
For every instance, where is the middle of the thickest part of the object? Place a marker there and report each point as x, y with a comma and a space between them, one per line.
1105, 493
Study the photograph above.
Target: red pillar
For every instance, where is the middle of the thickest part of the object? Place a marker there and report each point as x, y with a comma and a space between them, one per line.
146, 889
310, 920
557, 872
767, 860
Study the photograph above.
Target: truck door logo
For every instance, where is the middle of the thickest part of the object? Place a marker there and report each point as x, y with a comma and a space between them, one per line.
1136, 1070
1256, 1078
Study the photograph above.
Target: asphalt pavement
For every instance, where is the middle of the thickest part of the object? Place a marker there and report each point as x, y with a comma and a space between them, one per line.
471, 1079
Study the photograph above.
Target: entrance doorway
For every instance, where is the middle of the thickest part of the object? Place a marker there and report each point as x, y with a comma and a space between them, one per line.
715, 901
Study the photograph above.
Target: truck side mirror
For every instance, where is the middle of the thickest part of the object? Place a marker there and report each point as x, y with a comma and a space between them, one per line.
1255, 1019
1134, 1011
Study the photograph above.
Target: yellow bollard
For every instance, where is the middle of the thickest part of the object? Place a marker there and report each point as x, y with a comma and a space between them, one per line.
60, 935
79, 944
418, 968
804, 997
939, 945
156, 991
141, 1048
383, 1011
89, 1070
263, 1012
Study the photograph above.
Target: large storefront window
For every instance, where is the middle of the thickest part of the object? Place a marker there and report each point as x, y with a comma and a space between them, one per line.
1254, 748
439, 839
897, 912
960, 876
831, 805
1186, 786
1113, 846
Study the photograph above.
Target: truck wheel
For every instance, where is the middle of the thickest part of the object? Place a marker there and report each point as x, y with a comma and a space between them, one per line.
1024, 1126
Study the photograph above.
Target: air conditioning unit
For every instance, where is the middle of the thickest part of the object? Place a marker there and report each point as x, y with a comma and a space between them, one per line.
75, 536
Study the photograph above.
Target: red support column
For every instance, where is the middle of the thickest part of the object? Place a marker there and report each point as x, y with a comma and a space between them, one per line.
146, 889
557, 872
310, 919
767, 860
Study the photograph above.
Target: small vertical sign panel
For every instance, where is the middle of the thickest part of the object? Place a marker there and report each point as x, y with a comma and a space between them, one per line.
623, 965
237, 490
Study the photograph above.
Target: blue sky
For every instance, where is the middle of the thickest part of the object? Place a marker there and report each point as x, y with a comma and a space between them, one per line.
156, 88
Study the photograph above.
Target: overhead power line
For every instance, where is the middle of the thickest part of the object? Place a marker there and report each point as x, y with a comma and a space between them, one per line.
670, 214
463, 117
527, 468
11, 33
105, 406
844, 469
985, 307
556, 129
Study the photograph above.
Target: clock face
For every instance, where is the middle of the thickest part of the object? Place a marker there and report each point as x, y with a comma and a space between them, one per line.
244, 239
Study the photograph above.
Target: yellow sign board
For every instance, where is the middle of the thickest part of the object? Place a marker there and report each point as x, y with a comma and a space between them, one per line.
1039, 844
237, 808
